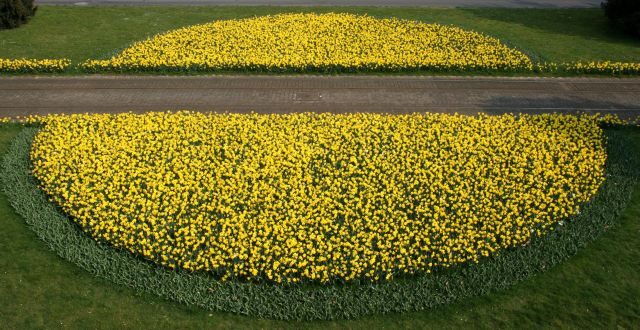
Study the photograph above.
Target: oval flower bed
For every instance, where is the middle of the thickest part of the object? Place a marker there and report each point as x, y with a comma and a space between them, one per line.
316, 42
318, 197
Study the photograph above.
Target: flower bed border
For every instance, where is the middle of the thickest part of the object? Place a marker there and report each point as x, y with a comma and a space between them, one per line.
579, 68
33, 66
312, 302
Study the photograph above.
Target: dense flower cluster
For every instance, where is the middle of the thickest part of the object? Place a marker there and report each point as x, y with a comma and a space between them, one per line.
312, 42
317, 197
606, 67
33, 65
597, 67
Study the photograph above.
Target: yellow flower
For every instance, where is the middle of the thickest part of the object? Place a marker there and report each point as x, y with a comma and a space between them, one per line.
324, 42
317, 197
32, 65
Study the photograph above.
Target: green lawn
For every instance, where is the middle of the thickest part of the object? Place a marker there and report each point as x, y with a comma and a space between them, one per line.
80, 33
598, 288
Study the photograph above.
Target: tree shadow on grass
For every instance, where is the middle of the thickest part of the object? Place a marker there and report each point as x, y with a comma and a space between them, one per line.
586, 23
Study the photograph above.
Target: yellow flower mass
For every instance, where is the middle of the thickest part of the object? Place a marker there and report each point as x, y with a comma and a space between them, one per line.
33, 65
603, 67
318, 197
308, 42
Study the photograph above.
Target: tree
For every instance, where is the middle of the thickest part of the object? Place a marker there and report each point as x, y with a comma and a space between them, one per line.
14, 13
625, 13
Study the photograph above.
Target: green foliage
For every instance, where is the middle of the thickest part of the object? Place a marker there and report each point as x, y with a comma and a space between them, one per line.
625, 13
319, 302
14, 13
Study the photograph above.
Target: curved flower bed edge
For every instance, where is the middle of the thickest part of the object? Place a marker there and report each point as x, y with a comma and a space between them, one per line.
307, 302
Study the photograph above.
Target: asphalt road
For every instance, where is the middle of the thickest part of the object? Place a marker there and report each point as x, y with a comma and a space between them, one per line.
283, 94
381, 3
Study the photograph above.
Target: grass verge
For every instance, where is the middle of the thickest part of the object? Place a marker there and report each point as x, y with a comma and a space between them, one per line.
599, 285
549, 35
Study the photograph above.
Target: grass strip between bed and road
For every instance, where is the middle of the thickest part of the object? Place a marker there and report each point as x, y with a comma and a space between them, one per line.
81, 33
599, 287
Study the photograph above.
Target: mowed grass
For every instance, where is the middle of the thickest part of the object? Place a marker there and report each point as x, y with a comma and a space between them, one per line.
81, 33
598, 288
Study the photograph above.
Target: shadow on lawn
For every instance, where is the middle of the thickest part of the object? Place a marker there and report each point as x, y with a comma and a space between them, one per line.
589, 24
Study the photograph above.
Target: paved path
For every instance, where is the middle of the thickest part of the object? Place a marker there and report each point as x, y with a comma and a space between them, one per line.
383, 3
281, 94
